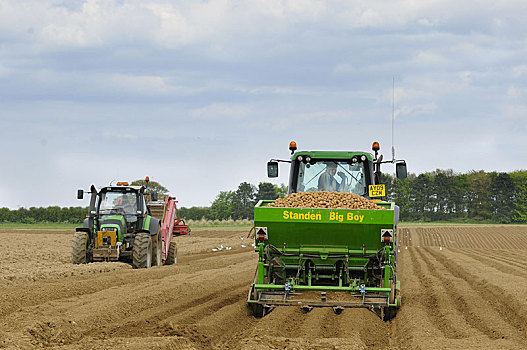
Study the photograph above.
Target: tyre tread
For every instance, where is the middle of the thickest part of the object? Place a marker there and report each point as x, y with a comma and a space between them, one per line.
140, 250
79, 244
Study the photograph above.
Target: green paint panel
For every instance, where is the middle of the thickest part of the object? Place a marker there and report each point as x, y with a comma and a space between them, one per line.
146, 222
347, 229
120, 218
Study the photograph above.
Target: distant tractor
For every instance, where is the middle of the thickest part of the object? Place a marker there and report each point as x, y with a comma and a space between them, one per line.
124, 224
348, 255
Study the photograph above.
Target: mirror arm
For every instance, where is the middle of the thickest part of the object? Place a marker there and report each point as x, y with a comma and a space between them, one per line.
393, 161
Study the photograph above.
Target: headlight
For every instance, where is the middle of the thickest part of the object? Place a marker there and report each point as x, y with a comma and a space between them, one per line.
109, 229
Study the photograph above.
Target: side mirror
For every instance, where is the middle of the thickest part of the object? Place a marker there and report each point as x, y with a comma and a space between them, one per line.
154, 196
400, 170
80, 194
272, 169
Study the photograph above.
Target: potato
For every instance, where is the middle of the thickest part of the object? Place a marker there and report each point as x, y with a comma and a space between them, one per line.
325, 199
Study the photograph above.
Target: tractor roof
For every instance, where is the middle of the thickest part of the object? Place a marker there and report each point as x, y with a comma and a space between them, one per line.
332, 154
121, 188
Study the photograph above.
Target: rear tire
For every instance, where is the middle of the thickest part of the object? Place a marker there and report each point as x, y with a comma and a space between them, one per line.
172, 253
142, 251
79, 248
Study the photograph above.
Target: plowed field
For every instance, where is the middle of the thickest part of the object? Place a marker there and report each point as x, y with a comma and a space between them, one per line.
462, 287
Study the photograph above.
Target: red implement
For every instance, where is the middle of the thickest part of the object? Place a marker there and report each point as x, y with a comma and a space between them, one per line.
166, 211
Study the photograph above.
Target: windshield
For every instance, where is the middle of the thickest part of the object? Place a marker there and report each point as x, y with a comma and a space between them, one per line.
330, 175
118, 202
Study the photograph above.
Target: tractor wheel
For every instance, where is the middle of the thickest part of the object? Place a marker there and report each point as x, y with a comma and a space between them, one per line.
157, 253
79, 248
142, 251
172, 253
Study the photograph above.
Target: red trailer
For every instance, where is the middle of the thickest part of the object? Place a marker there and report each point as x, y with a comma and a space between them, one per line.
165, 209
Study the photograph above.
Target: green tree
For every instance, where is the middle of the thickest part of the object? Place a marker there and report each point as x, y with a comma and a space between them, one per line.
441, 193
280, 190
266, 190
194, 213
420, 194
243, 201
502, 197
519, 211
152, 186
5, 215
387, 181
222, 207
478, 204
460, 188
401, 196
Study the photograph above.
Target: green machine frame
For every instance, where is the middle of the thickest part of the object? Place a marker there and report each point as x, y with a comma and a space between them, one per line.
347, 255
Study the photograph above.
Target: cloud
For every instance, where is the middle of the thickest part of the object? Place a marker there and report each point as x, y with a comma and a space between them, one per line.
190, 86
221, 110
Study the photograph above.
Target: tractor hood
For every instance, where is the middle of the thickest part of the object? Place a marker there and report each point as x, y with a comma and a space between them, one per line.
114, 222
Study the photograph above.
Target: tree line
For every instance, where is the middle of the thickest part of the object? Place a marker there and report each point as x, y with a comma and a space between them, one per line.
72, 215
238, 204
440, 195
476, 196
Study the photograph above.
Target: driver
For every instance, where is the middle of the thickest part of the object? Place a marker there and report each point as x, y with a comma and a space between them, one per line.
327, 181
127, 203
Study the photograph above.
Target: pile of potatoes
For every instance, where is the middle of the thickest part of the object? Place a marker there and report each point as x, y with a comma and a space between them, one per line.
324, 199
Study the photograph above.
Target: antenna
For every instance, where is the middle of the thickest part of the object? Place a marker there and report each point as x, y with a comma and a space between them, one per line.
393, 117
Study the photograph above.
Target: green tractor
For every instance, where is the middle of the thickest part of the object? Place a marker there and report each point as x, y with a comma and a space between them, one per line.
328, 257
119, 226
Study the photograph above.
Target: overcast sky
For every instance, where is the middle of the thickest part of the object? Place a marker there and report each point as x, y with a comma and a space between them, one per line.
199, 95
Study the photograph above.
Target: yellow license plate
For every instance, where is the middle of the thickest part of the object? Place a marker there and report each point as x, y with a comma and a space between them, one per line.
377, 191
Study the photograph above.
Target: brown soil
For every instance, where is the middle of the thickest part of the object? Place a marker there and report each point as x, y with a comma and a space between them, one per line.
462, 288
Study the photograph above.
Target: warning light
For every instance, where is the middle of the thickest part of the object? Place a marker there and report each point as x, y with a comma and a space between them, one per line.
292, 147
375, 147
147, 179
121, 183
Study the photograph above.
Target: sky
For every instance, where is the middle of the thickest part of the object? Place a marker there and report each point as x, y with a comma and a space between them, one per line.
199, 95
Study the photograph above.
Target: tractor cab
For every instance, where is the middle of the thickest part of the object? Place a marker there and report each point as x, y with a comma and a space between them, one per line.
350, 172
336, 171
121, 203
